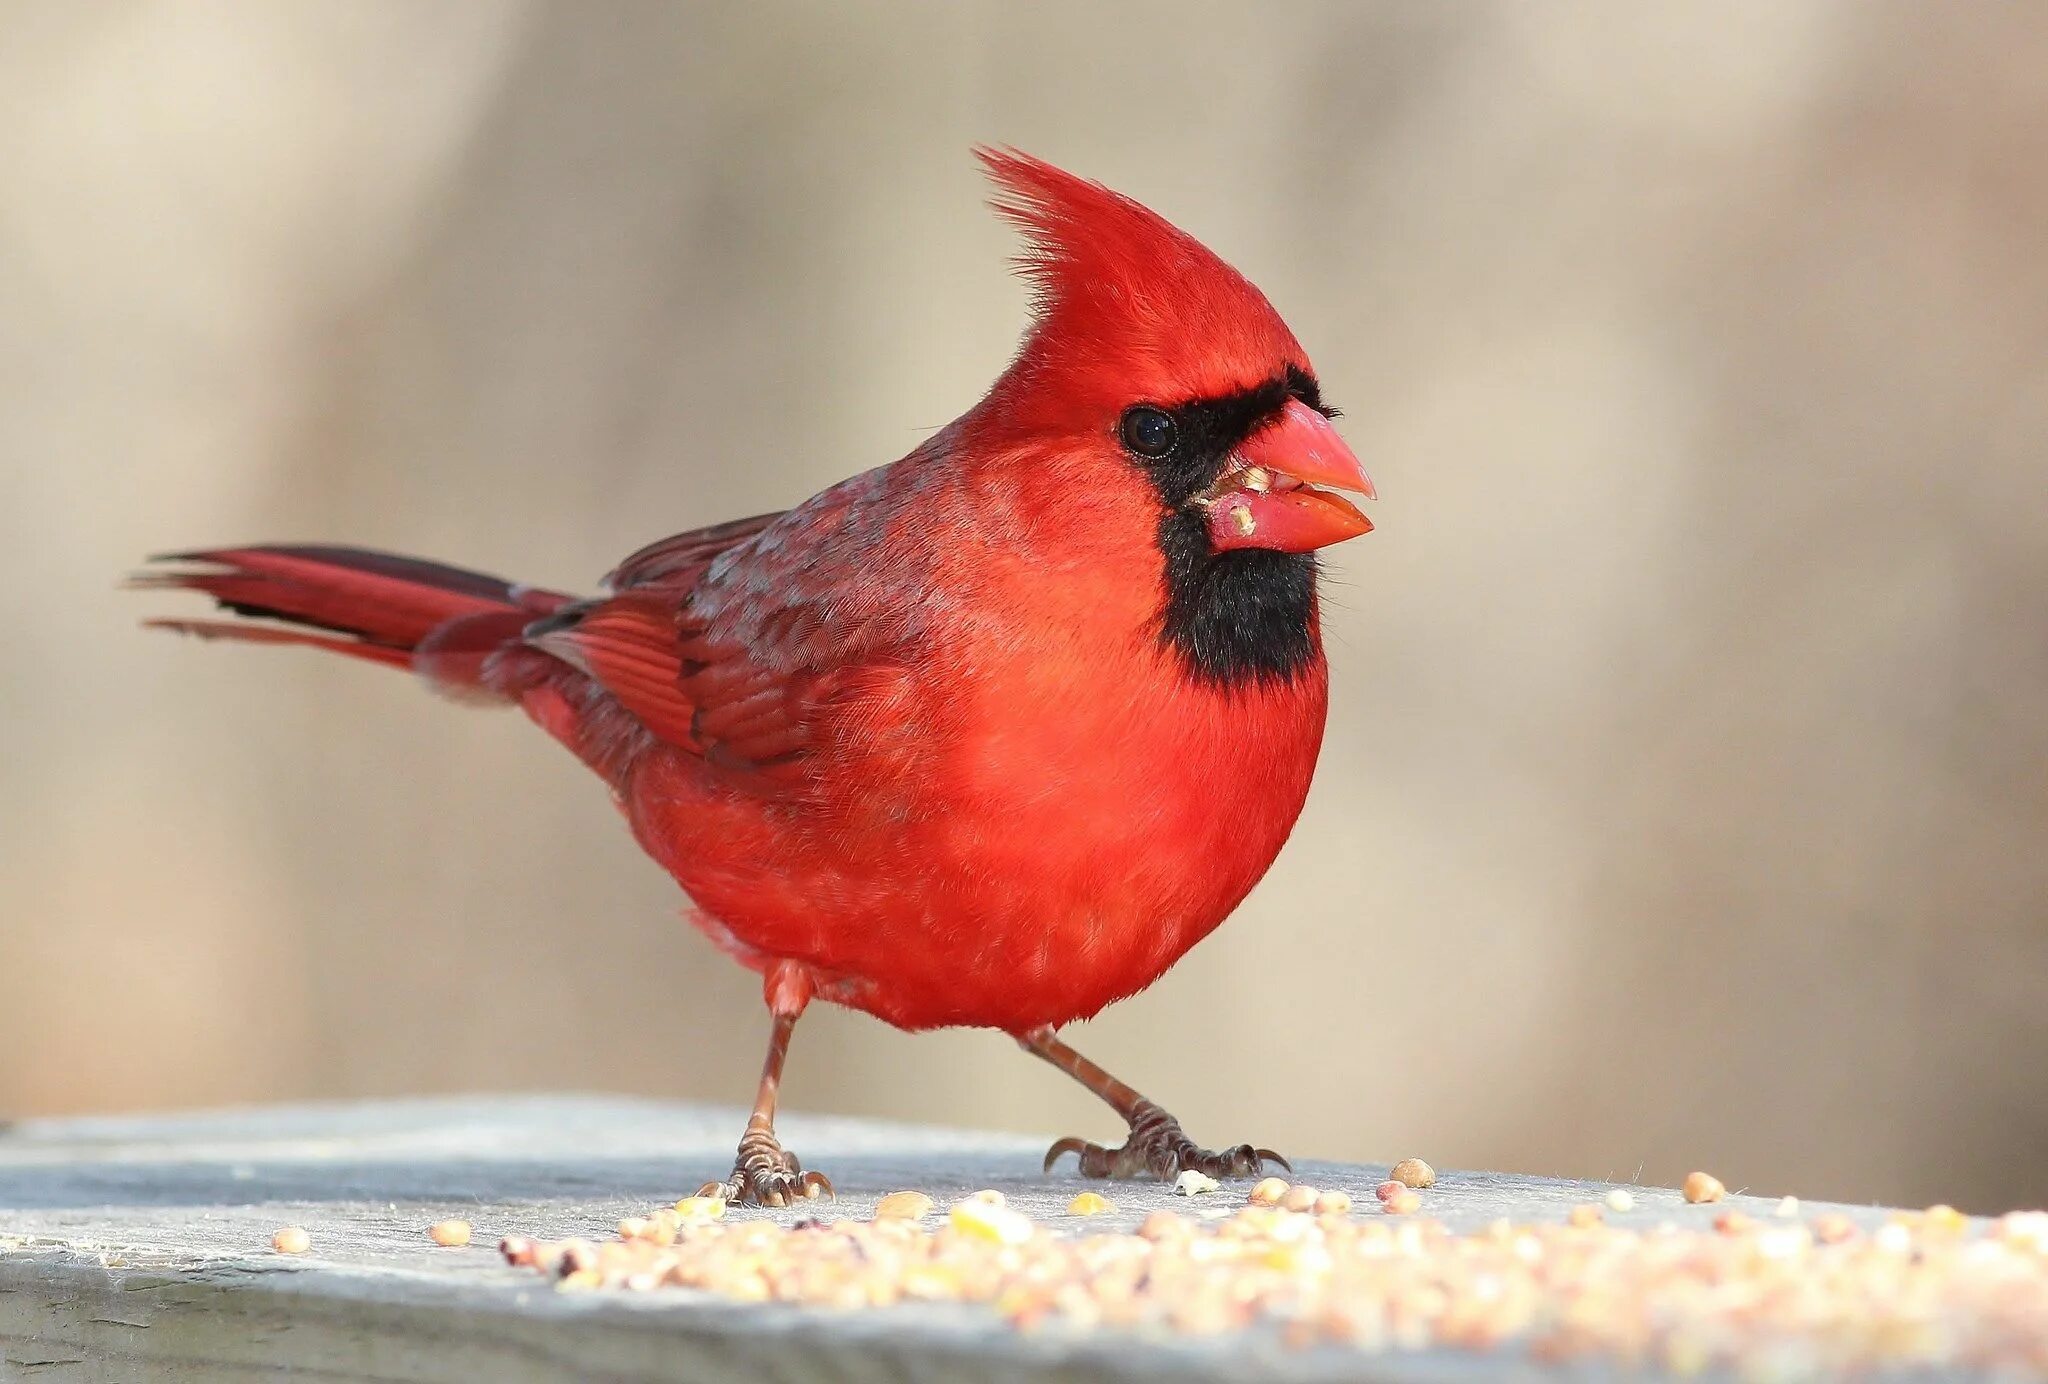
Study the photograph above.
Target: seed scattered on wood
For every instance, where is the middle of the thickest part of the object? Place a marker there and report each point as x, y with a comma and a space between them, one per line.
1089, 1204
1786, 1242
1163, 1225
903, 1206
577, 1256
989, 1196
700, 1208
291, 1239
2024, 1230
1413, 1172
989, 1221
519, 1251
1267, 1192
1942, 1219
449, 1234
1300, 1197
1701, 1187
1389, 1189
1621, 1201
1193, 1184
1748, 1299
1789, 1207
1333, 1203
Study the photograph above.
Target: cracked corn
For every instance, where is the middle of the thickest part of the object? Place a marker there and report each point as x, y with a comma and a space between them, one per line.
1931, 1290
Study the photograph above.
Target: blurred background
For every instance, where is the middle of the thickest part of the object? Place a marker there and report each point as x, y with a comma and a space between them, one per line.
1685, 802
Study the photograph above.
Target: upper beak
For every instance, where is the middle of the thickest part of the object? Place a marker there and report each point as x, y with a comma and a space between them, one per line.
1267, 498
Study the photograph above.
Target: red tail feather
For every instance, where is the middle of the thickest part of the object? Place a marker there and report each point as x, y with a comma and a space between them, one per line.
371, 605
265, 634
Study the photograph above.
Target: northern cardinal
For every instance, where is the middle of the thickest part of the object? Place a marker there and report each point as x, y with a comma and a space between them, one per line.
991, 735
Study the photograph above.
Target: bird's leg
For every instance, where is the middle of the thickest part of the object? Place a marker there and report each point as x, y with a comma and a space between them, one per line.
1156, 1146
764, 1173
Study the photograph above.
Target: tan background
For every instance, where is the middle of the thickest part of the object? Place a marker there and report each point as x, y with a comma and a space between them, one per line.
1685, 798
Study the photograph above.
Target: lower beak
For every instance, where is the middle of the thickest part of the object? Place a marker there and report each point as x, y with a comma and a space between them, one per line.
1269, 497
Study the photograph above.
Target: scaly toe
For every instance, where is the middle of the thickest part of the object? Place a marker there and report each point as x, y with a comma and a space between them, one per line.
766, 1174
1080, 1148
1091, 1160
1242, 1161
1158, 1149
770, 1187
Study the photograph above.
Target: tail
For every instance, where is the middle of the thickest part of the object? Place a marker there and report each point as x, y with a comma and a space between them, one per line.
441, 621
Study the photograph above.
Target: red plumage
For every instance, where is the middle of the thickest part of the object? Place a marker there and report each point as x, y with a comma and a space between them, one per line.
991, 735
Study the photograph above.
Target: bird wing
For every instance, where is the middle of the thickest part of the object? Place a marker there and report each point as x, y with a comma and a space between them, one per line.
677, 562
738, 645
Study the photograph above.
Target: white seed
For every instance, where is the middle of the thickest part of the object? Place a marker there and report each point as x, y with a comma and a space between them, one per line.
985, 1220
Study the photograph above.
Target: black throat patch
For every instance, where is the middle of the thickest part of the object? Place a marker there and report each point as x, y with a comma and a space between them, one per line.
1248, 615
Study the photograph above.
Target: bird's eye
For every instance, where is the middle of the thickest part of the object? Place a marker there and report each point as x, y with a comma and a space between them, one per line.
1148, 431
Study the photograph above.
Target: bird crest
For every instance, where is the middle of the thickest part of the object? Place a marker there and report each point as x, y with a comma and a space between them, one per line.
1122, 294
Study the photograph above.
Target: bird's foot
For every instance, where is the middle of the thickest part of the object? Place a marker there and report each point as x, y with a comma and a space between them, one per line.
1158, 1149
766, 1174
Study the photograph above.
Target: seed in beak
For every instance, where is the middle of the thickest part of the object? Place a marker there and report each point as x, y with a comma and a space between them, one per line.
1244, 521
1257, 481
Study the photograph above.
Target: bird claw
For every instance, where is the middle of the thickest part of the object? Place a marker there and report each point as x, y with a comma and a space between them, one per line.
1157, 1148
1080, 1148
772, 1187
766, 1174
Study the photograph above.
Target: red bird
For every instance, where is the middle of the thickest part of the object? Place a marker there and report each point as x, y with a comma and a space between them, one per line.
990, 735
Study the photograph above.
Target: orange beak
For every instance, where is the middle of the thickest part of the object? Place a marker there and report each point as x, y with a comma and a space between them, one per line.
1267, 497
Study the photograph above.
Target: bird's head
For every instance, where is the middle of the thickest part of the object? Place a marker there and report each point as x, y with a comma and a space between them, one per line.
1150, 356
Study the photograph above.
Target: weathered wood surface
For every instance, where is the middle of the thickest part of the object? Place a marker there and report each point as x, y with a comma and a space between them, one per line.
140, 1248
